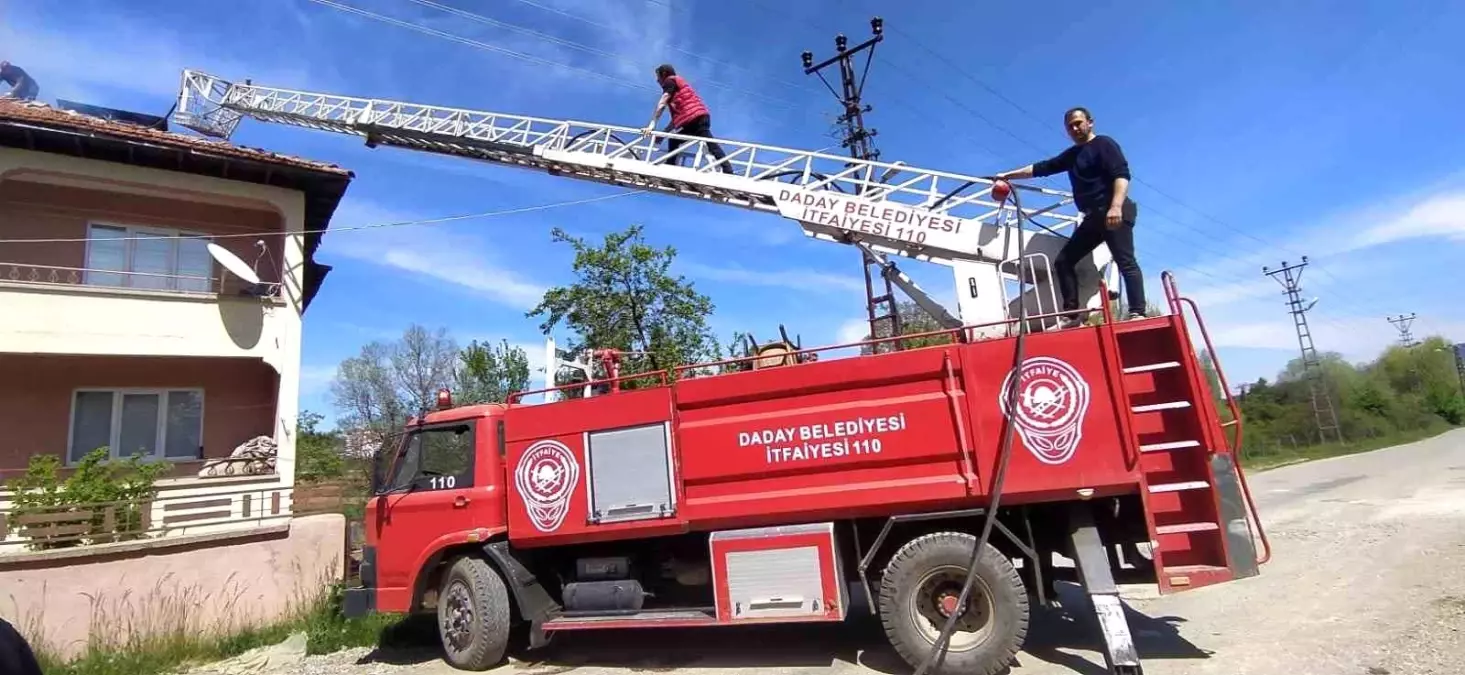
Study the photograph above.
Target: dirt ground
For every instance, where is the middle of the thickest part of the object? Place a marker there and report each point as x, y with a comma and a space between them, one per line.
1367, 578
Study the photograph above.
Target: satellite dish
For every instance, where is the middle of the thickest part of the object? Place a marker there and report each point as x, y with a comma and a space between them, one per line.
232, 263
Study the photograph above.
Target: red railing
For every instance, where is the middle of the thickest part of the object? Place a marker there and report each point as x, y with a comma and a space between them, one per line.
1177, 303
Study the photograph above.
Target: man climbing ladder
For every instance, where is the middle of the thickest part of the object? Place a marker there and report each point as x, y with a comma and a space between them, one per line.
1099, 174
689, 114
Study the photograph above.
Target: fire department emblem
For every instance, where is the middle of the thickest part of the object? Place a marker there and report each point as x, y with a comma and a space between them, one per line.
1052, 400
546, 477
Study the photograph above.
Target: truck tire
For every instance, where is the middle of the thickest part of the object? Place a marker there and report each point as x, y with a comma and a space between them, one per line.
919, 589
473, 615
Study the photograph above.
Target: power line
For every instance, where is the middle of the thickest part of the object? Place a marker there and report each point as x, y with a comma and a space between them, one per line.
353, 228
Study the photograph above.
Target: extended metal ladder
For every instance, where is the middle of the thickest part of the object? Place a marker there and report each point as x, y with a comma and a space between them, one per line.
934, 216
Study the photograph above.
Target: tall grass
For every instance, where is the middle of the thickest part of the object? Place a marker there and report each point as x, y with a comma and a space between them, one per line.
166, 628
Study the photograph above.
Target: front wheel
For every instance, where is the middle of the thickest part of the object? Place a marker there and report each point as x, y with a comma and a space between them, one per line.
473, 615
920, 588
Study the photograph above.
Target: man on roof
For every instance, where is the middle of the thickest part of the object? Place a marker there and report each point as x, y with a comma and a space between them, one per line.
1099, 175
21, 85
689, 115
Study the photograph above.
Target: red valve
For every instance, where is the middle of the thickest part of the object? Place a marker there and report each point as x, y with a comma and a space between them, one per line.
1001, 190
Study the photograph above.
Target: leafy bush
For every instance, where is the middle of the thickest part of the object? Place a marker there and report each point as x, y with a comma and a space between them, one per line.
97, 489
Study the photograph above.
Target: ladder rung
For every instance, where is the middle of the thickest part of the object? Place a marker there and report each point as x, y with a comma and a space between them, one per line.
1176, 487
1183, 528
1173, 405
1151, 367
1174, 445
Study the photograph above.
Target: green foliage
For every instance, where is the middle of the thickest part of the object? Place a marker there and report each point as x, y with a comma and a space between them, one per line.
488, 373
317, 453
109, 496
1404, 393
913, 321
624, 297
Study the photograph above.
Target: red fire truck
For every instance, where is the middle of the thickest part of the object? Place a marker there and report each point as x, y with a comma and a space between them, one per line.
933, 486
778, 494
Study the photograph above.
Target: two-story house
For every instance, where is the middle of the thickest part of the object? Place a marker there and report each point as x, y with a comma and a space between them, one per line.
119, 329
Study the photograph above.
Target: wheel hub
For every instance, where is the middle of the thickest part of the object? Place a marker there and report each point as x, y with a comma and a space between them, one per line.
457, 621
936, 599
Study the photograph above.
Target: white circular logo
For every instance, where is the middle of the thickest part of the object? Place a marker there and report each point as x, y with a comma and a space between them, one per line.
1052, 400
546, 477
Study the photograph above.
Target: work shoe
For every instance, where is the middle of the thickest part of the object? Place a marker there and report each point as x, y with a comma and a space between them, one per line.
1135, 315
1066, 322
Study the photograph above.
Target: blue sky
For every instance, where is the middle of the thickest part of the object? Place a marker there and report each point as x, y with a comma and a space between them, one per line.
1256, 131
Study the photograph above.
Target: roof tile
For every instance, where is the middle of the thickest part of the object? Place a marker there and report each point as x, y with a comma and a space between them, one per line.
39, 113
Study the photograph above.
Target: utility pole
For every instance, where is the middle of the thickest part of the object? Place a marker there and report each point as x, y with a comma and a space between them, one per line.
857, 141
1460, 365
1402, 324
1290, 276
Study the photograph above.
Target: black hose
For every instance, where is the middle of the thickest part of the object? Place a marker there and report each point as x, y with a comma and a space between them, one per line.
938, 650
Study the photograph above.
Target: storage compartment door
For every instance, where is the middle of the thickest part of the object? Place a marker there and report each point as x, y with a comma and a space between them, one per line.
787, 573
630, 474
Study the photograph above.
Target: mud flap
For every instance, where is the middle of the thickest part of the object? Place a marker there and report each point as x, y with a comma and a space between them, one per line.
1240, 548
534, 603
1098, 582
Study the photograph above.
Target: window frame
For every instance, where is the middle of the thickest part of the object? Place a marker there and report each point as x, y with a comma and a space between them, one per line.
129, 272
389, 482
115, 423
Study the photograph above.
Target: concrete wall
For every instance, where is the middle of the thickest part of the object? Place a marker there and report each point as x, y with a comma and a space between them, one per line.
214, 581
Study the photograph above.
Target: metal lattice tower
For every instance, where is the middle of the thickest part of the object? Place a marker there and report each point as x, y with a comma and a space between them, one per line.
1402, 323
857, 141
1290, 276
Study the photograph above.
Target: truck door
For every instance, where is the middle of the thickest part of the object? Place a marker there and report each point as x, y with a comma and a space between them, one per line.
427, 498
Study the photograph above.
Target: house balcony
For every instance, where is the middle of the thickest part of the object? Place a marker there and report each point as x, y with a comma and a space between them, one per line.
57, 309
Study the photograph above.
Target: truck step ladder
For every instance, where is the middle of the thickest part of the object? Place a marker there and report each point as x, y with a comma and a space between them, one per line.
1194, 507
1097, 579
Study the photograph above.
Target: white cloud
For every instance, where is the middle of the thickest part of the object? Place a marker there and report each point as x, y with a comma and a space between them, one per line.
1438, 216
74, 60
809, 281
429, 251
853, 330
315, 378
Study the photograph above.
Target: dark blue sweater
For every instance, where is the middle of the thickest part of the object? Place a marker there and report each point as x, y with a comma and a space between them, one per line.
1092, 168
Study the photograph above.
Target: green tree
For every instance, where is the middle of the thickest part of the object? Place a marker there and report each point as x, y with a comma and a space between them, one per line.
489, 373
318, 454
624, 297
913, 321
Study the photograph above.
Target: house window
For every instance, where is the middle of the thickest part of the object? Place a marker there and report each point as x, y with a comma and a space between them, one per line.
147, 423
116, 257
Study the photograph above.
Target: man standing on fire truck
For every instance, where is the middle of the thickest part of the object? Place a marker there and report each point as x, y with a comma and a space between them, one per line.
689, 115
1099, 175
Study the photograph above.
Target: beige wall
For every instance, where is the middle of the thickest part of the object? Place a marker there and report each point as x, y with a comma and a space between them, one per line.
61, 604
38, 210
54, 196
239, 399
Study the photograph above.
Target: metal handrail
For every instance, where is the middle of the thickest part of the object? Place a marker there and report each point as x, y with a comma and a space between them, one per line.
1177, 302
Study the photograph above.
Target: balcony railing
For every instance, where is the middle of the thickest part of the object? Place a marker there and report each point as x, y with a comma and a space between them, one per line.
187, 507
183, 284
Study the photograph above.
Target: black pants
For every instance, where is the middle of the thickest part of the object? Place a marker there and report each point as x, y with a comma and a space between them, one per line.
700, 125
1086, 237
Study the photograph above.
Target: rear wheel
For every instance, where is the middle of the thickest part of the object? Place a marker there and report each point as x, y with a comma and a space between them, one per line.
920, 588
473, 615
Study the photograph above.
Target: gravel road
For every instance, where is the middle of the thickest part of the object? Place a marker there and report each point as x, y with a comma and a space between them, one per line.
1367, 578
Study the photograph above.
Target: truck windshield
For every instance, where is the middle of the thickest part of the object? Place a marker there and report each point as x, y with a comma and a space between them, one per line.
435, 458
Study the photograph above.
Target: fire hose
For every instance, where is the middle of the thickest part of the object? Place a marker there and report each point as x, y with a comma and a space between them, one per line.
938, 649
